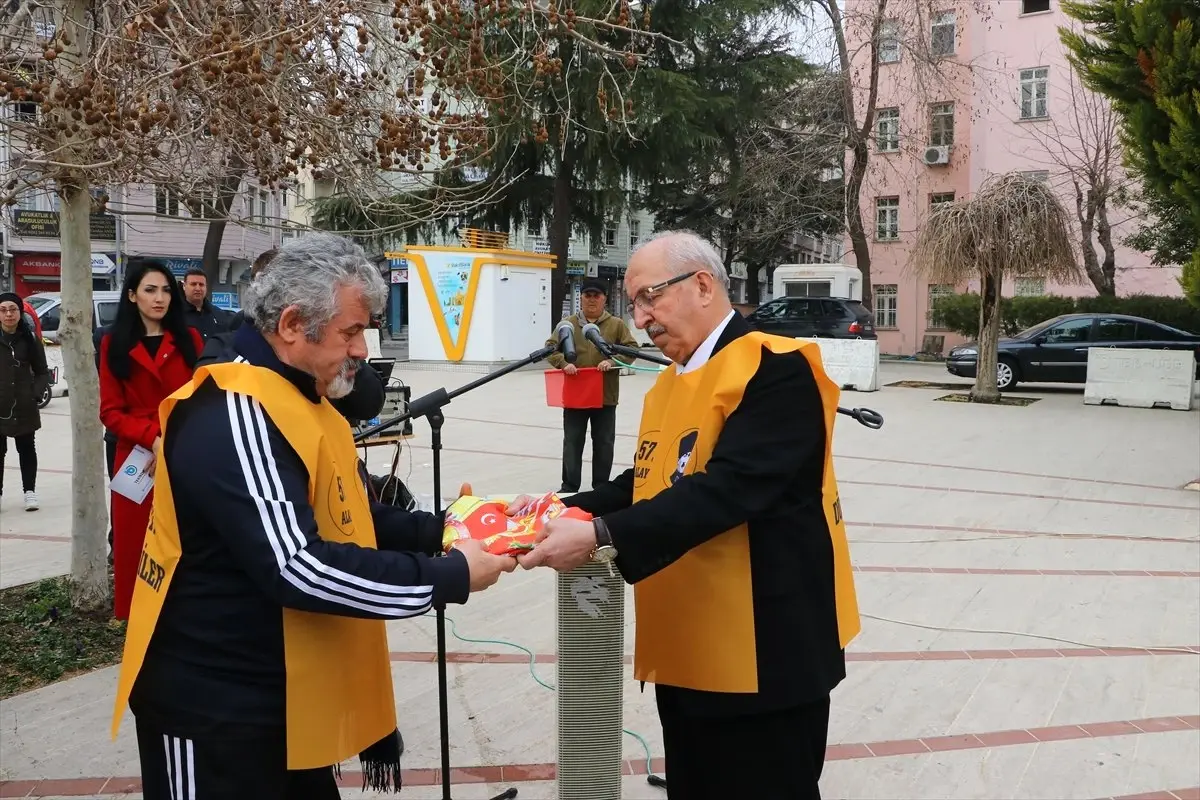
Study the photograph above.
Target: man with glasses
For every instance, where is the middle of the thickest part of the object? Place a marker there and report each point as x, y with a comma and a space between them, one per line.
730, 529
603, 420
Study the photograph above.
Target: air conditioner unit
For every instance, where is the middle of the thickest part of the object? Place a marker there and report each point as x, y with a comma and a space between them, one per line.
937, 154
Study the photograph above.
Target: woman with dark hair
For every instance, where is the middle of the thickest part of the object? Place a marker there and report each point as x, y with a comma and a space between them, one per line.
23, 379
148, 353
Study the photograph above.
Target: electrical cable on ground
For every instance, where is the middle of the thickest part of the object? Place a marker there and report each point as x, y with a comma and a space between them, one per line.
537, 679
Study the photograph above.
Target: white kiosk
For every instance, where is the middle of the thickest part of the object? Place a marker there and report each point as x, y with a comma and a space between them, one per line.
480, 303
817, 280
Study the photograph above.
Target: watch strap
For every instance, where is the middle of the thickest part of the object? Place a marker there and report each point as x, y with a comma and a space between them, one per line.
603, 537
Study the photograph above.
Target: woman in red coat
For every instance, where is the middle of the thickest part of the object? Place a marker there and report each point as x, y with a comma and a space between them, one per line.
148, 354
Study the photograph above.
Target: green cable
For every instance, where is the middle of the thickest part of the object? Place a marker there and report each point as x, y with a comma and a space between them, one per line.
532, 661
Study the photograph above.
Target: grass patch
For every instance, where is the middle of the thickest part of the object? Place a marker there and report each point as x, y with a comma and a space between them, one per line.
1005, 400
46, 641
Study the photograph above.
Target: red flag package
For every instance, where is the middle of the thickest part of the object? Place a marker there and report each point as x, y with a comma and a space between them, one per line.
487, 520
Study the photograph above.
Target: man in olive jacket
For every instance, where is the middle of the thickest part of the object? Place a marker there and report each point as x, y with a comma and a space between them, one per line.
603, 420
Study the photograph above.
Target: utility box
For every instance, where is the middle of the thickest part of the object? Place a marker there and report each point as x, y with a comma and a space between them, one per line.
480, 303
818, 280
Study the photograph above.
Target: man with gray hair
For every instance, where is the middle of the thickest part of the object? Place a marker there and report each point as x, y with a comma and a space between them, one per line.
730, 529
256, 657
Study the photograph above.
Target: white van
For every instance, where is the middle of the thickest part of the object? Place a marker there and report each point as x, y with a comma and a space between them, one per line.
48, 307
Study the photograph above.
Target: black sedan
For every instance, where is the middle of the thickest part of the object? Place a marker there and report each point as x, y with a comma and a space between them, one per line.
813, 317
1055, 351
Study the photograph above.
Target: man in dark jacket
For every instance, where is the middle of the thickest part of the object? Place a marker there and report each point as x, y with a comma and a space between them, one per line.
603, 420
257, 657
730, 530
198, 311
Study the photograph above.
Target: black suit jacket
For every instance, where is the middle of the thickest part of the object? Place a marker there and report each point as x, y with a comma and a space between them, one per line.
766, 470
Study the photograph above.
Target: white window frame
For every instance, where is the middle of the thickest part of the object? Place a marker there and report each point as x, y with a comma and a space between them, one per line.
933, 291
941, 133
1025, 8
1035, 93
1029, 287
887, 219
887, 305
610, 234
635, 232
1042, 175
940, 199
889, 42
943, 34
887, 130
168, 200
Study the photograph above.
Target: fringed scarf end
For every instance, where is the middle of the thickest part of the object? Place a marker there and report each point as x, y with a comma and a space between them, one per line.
381, 764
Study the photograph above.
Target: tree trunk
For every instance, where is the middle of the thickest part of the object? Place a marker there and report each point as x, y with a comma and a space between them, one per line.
226, 191
986, 390
560, 234
89, 507
1108, 267
1087, 206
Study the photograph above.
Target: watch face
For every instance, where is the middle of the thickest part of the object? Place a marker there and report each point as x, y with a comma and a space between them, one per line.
606, 554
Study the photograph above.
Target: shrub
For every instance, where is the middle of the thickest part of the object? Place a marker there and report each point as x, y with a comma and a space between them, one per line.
960, 312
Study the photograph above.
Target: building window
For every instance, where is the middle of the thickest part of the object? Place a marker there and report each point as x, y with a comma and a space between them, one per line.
166, 202
940, 199
1029, 287
889, 41
635, 233
533, 227
610, 235
887, 301
1034, 6
941, 38
1040, 175
1035, 86
933, 320
887, 219
887, 130
262, 206
941, 124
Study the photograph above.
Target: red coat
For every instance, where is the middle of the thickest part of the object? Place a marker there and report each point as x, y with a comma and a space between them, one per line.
129, 408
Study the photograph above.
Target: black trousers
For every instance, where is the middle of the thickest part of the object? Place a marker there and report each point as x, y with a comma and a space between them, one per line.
27, 455
251, 767
604, 436
777, 755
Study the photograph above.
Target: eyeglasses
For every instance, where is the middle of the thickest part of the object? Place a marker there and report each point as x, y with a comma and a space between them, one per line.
646, 298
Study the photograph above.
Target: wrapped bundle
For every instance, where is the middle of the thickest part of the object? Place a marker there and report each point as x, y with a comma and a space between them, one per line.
488, 520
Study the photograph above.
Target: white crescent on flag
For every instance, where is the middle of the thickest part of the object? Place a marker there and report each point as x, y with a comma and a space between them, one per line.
488, 519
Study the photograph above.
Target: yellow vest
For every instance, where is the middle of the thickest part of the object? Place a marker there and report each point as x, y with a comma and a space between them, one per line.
339, 678
695, 619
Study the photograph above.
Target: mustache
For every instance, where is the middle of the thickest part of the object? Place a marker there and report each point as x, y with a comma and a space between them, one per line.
350, 364
654, 329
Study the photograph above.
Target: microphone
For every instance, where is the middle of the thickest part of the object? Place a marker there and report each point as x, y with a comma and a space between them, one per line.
566, 340
591, 332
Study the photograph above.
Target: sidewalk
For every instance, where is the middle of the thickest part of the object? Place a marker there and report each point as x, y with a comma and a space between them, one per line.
1013, 565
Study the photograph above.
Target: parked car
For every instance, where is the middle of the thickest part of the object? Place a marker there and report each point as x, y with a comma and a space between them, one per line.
1056, 351
48, 306
813, 318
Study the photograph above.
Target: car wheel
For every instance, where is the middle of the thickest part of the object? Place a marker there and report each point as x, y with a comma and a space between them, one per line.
1006, 374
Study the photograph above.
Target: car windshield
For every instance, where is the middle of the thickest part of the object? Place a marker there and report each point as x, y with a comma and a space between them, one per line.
1041, 326
38, 302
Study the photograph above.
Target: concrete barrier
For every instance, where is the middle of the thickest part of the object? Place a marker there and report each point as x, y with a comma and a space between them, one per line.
54, 360
850, 363
1140, 378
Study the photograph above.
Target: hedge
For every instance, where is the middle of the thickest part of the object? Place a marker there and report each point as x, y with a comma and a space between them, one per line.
960, 312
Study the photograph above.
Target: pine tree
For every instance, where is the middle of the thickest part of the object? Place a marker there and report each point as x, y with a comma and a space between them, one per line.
1145, 56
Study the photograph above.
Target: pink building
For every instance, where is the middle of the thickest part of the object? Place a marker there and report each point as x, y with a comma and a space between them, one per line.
967, 89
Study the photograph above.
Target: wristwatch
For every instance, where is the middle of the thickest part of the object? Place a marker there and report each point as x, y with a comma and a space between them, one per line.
604, 551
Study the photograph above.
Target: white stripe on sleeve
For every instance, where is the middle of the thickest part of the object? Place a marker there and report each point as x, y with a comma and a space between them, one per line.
277, 514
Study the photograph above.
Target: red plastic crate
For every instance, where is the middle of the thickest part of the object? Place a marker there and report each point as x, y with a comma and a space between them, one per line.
584, 389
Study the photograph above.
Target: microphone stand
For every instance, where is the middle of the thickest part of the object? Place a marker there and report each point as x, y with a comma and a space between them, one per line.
864, 416
430, 407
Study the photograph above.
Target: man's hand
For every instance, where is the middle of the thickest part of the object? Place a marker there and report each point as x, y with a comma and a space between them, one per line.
484, 567
155, 449
570, 369
563, 544
519, 505
605, 365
